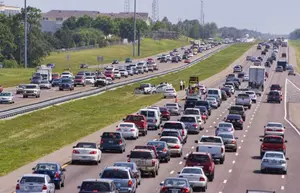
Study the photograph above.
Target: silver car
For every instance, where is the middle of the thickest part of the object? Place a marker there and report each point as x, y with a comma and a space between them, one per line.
20, 89
174, 145
225, 127
191, 123
37, 183
124, 73
213, 102
230, 141
170, 92
45, 84
274, 160
6, 97
174, 108
252, 95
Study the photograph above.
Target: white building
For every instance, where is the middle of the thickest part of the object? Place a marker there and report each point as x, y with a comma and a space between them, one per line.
9, 10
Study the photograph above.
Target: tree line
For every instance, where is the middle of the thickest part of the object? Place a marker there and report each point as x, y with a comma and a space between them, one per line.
294, 35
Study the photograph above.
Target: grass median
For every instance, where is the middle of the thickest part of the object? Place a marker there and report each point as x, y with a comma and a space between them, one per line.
29, 137
296, 45
149, 47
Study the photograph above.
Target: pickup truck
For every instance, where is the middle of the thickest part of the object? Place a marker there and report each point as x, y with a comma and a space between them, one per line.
213, 145
244, 100
146, 88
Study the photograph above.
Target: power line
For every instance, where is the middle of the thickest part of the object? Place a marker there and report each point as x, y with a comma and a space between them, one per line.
155, 10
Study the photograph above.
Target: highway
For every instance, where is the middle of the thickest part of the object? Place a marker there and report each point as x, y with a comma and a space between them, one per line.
54, 92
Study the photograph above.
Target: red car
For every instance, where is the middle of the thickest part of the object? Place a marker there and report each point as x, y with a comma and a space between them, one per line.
55, 76
1, 88
202, 159
275, 87
140, 121
187, 61
109, 74
272, 143
165, 114
204, 117
79, 80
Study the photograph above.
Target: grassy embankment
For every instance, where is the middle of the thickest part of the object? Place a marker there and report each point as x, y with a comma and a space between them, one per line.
149, 47
28, 137
296, 45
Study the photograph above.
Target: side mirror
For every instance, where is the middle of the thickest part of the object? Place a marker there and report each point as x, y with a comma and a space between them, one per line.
78, 187
161, 125
196, 141
283, 127
287, 158
264, 126
178, 172
162, 183
260, 139
33, 168
285, 141
64, 170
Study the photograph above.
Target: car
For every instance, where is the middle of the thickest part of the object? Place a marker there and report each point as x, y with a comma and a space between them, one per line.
117, 74
176, 185
236, 120
32, 90
42, 183
145, 160
171, 133
200, 103
66, 84
279, 69
53, 170
149, 147
86, 152
243, 99
162, 150
238, 109
195, 176
204, 112
140, 121
174, 145
263, 53
274, 160
176, 125
84, 65
275, 87
115, 62
7, 97
204, 160
274, 128
122, 177
136, 172
291, 72
191, 123
230, 141
90, 80
165, 113
274, 96
55, 82
190, 103
19, 89
170, 93
79, 80
237, 68
227, 91
152, 116
252, 95
272, 143
187, 60
241, 74
128, 60
224, 127
196, 112
173, 108
213, 102
112, 141
128, 130
174, 59
283, 55
98, 185
230, 86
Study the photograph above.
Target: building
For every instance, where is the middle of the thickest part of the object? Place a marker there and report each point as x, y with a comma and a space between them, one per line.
9, 10
53, 20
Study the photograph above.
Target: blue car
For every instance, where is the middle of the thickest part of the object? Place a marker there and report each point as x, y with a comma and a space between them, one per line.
53, 170
112, 141
66, 84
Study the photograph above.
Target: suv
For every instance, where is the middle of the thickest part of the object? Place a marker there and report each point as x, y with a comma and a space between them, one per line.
79, 80
191, 123
145, 160
140, 121
203, 160
274, 96
272, 143
31, 90
112, 141
204, 103
243, 99
66, 84
176, 125
238, 109
97, 185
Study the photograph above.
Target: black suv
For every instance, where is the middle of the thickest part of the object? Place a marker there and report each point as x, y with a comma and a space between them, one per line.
274, 96
190, 103
239, 110
236, 121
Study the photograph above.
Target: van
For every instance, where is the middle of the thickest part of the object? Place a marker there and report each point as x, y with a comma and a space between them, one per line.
214, 92
152, 116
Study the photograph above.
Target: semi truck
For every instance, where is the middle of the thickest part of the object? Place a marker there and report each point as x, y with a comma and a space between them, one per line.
257, 77
43, 71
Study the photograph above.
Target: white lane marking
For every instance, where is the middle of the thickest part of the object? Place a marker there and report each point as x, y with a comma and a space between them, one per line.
214, 122
217, 118
223, 112
233, 161
242, 141
251, 118
285, 107
172, 172
220, 192
244, 135
248, 126
230, 171
154, 139
282, 176
220, 115
193, 147
210, 126
225, 181
240, 147
246, 130
236, 155
186, 154
282, 187
253, 115
250, 123
180, 163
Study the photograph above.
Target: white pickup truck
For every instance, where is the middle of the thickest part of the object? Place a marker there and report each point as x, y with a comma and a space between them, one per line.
213, 145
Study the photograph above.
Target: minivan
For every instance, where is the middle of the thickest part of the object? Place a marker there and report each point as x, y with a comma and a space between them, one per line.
152, 116
214, 91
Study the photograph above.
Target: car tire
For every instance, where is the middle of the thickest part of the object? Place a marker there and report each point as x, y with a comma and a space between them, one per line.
235, 150
58, 186
262, 171
211, 177
153, 174
249, 107
284, 172
261, 155
222, 160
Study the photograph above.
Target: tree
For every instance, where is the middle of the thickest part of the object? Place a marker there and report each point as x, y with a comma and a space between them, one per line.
105, 24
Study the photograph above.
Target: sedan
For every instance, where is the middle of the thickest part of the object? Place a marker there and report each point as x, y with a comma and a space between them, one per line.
90, 80
173, 108
162, 150
252, 95
56, 82
128, 130
177, 185
174, 145
6, 97
292, 72
86, 152
170, 93
136, 172
38, 183
225, 127
229, 140
231, 87
275, 161
274, 128
20, 89
236, 120
45, 84
195, 176
213, 102
97, 185
279, 69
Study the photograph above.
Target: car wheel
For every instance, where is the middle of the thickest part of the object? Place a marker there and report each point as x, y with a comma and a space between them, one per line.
58, 186
261, 154
156, 173
222, 160
262, 171
284, 172
249, 107
153, 174
211, 177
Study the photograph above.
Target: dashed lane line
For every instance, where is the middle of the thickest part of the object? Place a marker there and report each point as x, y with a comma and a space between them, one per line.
282, 176
172, 172
225, 181
240, 147
230, 171
236, 154
242, 141
246, 130
180, 163
206, 131
193, 147
282, 187
233, 162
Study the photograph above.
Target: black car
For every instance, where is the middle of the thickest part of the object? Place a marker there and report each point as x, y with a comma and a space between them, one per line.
275, 87
236, 121
97, 185
175, 59
227, 90
241, 75
233, 83
270, 59
128, 60
238, 110
190, 103
115, 62
56, 82
224, 95
163, 59
203, 110
260, 58
66, 84
274, 96
204, 103
267, 64
263, 53
162, 150
237, 80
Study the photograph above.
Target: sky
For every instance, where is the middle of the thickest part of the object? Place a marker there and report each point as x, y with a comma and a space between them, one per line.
268, 16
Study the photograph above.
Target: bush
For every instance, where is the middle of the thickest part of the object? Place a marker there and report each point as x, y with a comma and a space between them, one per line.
10, 64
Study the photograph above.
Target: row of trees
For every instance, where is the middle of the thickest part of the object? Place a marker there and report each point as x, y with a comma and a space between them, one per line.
294, 35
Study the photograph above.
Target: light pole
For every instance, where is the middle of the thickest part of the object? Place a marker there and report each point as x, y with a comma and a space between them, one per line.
134, 27
25, 34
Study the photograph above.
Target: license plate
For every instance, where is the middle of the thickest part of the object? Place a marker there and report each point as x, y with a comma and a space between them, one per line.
174, 191
83, 157
110, 141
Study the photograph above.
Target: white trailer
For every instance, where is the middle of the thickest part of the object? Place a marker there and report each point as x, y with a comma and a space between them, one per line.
45, 72
257, 77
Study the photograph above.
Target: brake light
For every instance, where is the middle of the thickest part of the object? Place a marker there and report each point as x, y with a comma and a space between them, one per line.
202, 179
164, 150
120, 142
241, 121
153, 162
234, 141
195, 125
57, 175
164, 189
262, 146
17, 187
222, 149
176, 147
185, 190
182, 132
131, 129
130, 183
76, 152
280, 130
118, 129
93, 152
102, 141
44, 187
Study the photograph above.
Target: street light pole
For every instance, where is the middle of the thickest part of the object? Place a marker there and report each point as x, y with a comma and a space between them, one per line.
134, 27
25, 34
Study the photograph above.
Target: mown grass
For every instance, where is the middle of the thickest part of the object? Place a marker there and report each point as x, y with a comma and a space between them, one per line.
26, 138
296, 45
149, 47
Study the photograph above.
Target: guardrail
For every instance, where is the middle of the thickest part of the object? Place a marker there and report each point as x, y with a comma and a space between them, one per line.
32, 107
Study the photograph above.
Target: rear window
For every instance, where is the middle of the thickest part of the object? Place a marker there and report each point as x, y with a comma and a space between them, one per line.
188, 119
78, 77
211, 140
274, 93
250, 92
169, 140
274, 125
148, 113
243, 96
273, 140
170, 90
86, 145
224, 125
141, 154
46, 166
275, 87
115, 173
201, 103
171, 105
191, 171
107, 135
213, 92
234, 117
126, 125
172, 126
95, 187
29, 179
134, 118
191, 112
226, 136
235, 108
191, 102
198, 158
162, 109
158, 145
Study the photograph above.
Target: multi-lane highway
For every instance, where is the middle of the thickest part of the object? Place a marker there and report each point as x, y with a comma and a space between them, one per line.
54, 92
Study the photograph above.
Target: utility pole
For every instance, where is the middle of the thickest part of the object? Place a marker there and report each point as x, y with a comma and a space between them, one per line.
202, 13
134, 27
25, 33
127, 6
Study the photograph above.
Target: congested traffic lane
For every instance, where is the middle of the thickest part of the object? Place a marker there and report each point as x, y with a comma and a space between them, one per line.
245, 173
54, 92
76, 173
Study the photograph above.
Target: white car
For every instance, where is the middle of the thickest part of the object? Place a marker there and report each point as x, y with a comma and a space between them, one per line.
174, 108
45, 84
174, 145
232, 90
213, 102
202, 88
128, 130
170, 93
252, 95
190, 55
37, 183
86, 152
89, 80
109, 80
162, 87
7, 97
124, 73
274, 128
276, 50
195, 176
117, 74
246, 78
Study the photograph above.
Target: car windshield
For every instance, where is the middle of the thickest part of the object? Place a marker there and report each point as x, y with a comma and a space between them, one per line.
5, 94
170, 90
32, 179
175, 182
236, 108
225, 136
126, 125
87, 145
169, 140
141, 154
78, 77
31, 86
171, 105
211, 139
274, 125
188, 119
124, 164
273, 140
66, 81
243, 96
108, 135
170, 125
274, 155
95, 187
191, 112
192, 171
159, 145
198, 158
250, 92
46, 166
115, 173
230, 117
274, 94
148, 113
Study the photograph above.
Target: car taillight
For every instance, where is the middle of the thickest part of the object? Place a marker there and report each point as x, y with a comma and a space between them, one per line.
120, 142
131, 129
128, 160
176, 147
155, 120
93, 152
153, 162
262, 146
195, 125
210, 168
222, 149
234, 141
185, 190
164, 150
164, 189
44, 187
102, 141
57, 175
202, 179
265, 160
118, 129
182, 132
17, 187
76, 152
280, 130
130, 183
241, 121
